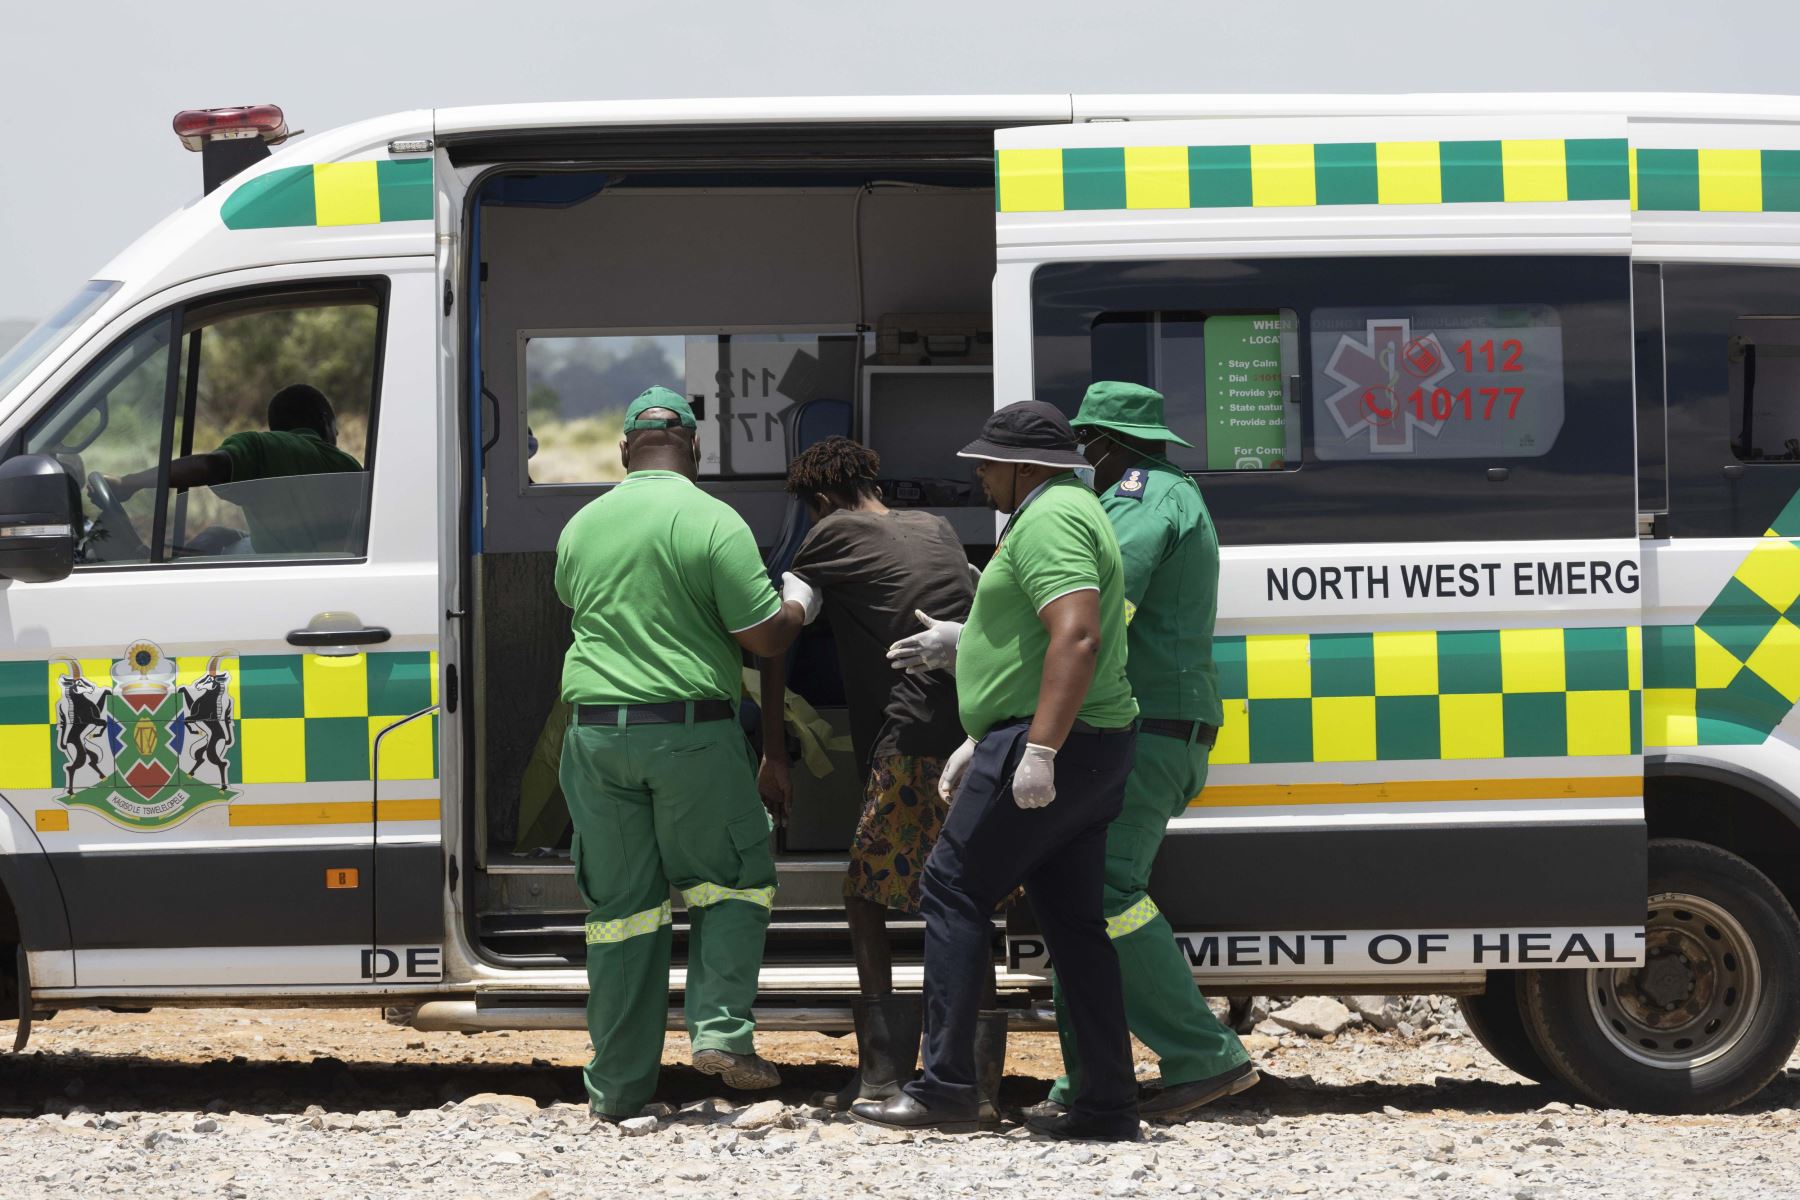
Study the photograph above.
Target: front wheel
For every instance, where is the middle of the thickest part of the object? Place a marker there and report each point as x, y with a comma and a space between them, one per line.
1711, 1016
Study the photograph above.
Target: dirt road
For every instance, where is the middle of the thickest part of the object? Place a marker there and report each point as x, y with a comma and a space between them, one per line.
336, 1103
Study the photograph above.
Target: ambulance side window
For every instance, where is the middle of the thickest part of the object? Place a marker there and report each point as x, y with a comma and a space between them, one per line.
1357, 399
284, 384
109, 422
238, 427
1732, 354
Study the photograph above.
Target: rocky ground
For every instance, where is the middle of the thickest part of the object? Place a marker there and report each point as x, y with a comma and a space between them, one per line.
245, 1103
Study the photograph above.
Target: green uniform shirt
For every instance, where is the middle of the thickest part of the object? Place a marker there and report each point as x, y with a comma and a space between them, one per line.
660, 575
285, 520
1059, 543
1171, 556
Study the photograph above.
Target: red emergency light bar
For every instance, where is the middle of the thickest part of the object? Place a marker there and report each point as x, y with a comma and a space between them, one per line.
197, 126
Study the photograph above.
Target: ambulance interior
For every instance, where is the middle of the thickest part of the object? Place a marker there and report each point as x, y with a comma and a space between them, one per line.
788, 304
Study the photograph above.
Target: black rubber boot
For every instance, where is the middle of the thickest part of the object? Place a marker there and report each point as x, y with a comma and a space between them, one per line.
990, 1064
887, 1050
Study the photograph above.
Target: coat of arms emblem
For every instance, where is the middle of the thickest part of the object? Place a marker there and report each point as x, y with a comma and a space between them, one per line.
148, 751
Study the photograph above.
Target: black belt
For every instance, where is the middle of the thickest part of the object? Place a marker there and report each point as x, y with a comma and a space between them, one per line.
1198, 732
675, 712
1080, 726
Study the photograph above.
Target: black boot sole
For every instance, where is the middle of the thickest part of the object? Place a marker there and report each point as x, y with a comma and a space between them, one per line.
927, 1127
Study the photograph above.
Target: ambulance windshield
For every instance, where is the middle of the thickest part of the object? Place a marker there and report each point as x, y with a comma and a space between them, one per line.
49, 334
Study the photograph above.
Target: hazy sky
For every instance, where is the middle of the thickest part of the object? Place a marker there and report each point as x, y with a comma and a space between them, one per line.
88, 89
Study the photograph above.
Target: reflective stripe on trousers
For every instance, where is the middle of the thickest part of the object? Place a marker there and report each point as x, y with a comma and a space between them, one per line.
1132, 919
703, 894
600, 933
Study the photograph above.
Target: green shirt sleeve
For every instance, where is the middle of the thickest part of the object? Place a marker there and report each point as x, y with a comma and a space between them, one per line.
1144, 530
248, 454
1053, 552
741, 587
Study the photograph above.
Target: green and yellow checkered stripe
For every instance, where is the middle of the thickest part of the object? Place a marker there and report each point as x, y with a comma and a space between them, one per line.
1456, 172
1731, 678
1715, 180
1308, 175
1425, 694
301, 718
345, 193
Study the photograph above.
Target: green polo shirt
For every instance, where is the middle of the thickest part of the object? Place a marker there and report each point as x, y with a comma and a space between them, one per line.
1059, 543
294, 519
659, 575
1171, 556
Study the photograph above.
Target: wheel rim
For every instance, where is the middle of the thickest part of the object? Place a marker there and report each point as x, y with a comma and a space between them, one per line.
1693, 998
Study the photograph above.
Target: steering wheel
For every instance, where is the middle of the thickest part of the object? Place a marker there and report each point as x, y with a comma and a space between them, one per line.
115, 519
101, 493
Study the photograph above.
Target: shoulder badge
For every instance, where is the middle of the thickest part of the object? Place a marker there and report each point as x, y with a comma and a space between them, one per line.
1132, 485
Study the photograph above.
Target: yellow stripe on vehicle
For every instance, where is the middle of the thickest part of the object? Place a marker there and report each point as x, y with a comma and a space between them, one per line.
342, 812
1422, 791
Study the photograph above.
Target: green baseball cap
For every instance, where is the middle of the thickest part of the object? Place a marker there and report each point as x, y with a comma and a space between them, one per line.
659, 397
1128, 408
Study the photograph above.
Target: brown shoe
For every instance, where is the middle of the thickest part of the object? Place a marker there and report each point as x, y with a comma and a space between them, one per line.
745, 1072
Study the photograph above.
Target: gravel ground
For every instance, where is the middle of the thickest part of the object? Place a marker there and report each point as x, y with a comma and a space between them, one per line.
329, 1104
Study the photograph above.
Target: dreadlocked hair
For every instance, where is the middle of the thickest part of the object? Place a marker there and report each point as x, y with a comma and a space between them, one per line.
837, 467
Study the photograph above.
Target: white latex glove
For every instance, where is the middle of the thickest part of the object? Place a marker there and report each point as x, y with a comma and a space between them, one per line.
955, 768
1034, 781
802, 593
931, 649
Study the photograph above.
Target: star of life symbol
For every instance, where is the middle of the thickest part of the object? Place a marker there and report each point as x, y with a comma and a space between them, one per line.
151, 750
1378, 376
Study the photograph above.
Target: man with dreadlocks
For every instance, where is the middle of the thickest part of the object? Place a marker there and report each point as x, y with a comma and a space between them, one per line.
876, 568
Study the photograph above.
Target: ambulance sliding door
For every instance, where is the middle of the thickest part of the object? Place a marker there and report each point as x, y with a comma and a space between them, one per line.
1402, 349
190, 719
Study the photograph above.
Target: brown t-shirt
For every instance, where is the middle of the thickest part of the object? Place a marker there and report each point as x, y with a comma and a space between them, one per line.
875, 569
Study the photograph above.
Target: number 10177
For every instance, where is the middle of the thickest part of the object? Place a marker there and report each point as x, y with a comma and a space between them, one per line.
1470, 403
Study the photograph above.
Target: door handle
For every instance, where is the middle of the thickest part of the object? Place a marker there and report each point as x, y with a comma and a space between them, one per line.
365, 635
1734, 471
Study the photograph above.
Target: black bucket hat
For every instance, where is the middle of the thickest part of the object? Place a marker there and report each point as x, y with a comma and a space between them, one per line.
1028, 431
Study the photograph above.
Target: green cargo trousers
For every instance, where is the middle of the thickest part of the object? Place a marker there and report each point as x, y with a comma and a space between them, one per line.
1162, 1006
655, 805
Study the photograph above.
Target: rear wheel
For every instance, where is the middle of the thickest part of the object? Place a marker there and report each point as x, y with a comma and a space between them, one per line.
1711, 1016
1496, 1020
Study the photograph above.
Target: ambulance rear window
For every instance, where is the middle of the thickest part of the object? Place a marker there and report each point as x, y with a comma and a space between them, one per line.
1361, 397
1378, 361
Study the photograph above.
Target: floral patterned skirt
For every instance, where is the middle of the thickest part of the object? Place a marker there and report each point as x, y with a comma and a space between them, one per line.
900, 821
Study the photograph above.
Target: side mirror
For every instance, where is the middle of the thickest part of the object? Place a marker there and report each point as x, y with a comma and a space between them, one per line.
40, 510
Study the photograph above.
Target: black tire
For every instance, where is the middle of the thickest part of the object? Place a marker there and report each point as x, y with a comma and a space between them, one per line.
1712, 1016
1496, 1020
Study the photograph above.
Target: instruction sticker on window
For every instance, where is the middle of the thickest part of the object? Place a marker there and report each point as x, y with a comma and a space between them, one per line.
1469, 381
1246, 406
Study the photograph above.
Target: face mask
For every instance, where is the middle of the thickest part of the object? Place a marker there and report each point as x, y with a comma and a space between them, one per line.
1086, 474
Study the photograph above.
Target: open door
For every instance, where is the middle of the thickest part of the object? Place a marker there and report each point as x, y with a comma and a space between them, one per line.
1402, 348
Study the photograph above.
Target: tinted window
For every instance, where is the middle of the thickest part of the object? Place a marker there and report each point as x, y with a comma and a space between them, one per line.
1423, 398
236, 429
1652, 420
1732, 344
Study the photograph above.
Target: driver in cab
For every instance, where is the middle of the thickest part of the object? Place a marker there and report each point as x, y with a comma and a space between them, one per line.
301, 439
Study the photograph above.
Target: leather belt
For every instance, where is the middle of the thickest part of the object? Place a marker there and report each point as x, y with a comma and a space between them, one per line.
1198, 732
1079, 726
675, 712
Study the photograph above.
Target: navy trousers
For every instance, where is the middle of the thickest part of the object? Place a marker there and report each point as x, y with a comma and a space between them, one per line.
989, 846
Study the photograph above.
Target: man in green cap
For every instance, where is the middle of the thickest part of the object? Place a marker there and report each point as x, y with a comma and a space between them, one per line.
666, 585
1171, 556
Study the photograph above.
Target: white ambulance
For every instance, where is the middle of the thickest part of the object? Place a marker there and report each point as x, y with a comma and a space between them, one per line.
1495, 400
